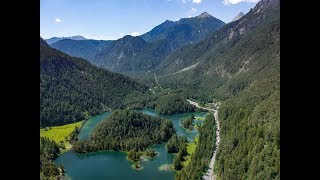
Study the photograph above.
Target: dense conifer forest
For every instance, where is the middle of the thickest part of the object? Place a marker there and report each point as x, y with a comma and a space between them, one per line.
126, 130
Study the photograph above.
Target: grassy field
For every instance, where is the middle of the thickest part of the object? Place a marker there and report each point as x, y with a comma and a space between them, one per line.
199, 118
191, 148
59, 133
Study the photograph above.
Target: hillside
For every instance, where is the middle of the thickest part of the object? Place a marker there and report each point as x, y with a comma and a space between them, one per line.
226, 61
240, 66
85, 49
72, 89
133, 54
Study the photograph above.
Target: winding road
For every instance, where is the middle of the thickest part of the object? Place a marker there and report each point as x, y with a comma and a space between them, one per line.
209, 174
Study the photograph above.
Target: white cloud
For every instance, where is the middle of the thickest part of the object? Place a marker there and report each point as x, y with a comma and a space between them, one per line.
228, 2
197, 1
58, 20
185, 1
135, 34
191, 12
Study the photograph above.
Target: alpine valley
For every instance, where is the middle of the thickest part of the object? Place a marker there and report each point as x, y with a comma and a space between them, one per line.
191, 99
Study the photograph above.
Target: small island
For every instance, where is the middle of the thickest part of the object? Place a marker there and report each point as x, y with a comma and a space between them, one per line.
188, 122
129, 131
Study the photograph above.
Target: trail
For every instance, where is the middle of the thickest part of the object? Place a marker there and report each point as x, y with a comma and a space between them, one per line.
209, 174
155, 77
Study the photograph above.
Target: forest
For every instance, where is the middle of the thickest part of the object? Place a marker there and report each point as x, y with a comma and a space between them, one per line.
201, 157
126, 130
72, 89
173, 104
49, 150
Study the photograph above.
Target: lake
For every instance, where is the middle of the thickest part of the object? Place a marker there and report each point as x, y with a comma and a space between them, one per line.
114, 165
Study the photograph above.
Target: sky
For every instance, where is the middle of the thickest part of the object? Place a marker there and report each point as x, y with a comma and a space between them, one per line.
113, 19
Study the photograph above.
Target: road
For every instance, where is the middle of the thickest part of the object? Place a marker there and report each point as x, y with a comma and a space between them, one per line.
209, 174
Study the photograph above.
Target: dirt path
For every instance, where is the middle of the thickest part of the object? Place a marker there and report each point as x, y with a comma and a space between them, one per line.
155, 77
209, 174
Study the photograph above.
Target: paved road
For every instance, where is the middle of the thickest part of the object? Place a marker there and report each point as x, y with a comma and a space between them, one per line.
209, 174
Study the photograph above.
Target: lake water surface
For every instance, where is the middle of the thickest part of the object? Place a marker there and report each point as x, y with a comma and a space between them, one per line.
114, 165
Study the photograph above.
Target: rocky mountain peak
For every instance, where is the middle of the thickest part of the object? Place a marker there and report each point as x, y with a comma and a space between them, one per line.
238, 16
204, 15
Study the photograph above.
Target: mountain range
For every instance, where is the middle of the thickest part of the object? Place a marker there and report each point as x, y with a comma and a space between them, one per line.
56, 39
237, 64
142, 53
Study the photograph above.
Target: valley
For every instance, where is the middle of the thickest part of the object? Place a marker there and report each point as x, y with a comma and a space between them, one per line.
191, 99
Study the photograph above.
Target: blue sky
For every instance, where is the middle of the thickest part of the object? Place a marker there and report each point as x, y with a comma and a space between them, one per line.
113, 19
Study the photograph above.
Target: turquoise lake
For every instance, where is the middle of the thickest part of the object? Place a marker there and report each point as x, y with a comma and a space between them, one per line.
114, 165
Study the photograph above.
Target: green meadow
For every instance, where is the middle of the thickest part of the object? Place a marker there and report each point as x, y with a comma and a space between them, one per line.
191, 148
60, 133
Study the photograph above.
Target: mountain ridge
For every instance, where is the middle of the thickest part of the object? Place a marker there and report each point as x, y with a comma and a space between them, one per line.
72, 89
56, 39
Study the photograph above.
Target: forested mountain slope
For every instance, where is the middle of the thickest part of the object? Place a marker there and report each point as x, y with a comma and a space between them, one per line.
240, 66
85, 49
72, 89
228, 60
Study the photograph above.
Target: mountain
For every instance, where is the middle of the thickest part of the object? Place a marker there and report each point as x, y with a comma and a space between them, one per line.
186, 30
72, 89
85, 49
56, 39
238, 65
238, 16
134, 55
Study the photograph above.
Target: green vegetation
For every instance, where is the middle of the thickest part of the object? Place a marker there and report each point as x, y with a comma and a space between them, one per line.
175, 142
188, 122
201, 157
191, 148
173, 104
49, 150
180, 157
250, 133
151, 153
134, 155
62, 134
126, 130
71, 89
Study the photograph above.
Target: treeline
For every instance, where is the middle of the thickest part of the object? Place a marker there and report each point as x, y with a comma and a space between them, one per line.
127, 130
165, 102
175, 142
173, 104
178, 144
200, 159
71, 89
49, 150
